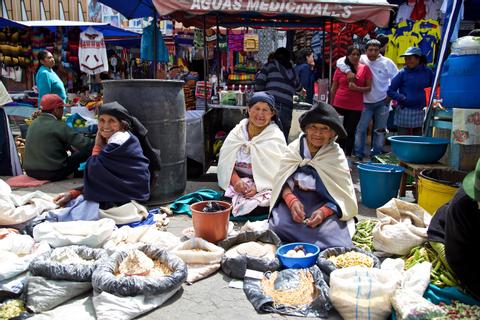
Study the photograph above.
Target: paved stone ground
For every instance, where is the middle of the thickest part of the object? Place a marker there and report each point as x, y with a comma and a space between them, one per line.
210, 298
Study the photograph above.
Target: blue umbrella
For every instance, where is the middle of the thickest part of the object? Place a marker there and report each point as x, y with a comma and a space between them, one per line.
132, 8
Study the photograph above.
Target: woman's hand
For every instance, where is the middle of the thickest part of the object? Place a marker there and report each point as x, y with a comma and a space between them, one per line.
352, 85
297, 211
99, 140
240, 187
251, 192
62, 199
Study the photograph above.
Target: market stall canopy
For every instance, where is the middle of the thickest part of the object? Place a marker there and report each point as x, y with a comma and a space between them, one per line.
10, 23
108, 30
306, 12
132, 9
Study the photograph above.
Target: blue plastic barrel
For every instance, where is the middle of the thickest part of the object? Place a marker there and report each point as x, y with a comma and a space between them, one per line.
379, 183
459, 82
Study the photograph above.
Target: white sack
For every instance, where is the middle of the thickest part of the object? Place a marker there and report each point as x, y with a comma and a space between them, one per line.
89, 233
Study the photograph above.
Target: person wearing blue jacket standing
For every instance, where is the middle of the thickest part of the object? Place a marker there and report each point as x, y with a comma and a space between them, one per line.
46, 79
407, 87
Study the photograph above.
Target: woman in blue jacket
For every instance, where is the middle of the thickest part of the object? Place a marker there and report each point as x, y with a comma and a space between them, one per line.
407, 88
46, 79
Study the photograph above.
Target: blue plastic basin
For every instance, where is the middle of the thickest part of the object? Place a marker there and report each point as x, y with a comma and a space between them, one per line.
300, 262
418, 149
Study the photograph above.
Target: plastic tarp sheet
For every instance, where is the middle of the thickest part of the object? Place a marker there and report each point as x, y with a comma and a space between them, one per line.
287, 280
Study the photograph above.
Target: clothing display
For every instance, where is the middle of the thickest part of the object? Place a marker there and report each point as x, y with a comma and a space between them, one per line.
146, 47
424, 34
92, 53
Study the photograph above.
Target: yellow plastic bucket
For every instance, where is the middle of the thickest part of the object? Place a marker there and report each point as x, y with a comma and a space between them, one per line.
437, 186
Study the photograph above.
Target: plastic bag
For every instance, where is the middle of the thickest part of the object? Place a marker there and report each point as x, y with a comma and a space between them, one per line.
104, 278
12, 288
410, 306
363, 293
236, 266
13, 264
88, 233
44, 294
328, 266
402, 226
200, 263
127, 237
44, 266
289, 279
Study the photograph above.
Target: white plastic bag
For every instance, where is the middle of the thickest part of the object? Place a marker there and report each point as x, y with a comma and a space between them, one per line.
16, 253
89, 233
402, 226
108, 306
127, 237
200, 264
76, 309
45, 294
363, 293
411, 306
16, 209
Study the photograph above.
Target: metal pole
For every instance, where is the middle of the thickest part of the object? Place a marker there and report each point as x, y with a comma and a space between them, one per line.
323, 49
331, 56
219, 55
155, 40
205, 61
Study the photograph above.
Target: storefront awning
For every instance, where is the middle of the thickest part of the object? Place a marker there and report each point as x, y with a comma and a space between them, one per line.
10, 23
108, 30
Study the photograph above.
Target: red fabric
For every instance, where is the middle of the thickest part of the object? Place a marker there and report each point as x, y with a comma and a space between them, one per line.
419, 11
289, 199
74, 193
346, 98
24, 181
96, 150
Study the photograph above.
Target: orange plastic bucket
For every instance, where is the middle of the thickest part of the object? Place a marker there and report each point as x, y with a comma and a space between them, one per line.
211, 226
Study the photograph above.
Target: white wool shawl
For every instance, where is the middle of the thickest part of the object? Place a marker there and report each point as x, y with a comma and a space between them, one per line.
266, 150
332, 167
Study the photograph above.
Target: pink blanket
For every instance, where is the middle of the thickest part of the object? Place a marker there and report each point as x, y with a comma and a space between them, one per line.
25, 181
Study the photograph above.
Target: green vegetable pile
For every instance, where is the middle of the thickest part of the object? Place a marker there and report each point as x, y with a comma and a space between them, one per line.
11, 309
458, 310
439, 276
363, 237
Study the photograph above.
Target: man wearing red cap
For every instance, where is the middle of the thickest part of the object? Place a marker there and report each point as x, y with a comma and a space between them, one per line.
48, 140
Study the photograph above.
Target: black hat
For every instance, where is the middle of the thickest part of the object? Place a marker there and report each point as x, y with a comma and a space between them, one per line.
325, 114
116, 110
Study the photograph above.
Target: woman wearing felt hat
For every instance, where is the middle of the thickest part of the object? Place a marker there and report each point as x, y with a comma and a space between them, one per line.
250, 156
407, 88
313, 199
456, 227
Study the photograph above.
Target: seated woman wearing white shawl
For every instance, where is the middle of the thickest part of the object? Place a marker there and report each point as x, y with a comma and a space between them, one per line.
313, 196
250, 157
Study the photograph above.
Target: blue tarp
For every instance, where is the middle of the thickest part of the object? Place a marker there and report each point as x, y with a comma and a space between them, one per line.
132, 8
9, 23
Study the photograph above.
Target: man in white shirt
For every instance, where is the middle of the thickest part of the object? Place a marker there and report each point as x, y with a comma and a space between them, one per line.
376, 101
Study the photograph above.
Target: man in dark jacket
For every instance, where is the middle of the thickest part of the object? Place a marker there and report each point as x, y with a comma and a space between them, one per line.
457, 226
49, 139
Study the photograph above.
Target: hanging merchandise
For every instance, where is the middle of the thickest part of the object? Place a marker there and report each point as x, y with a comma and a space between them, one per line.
267, 44
235, 40
146, 50
250, 42
92, 53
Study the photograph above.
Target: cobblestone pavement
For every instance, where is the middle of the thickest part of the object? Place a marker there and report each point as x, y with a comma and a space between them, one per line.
210, 298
